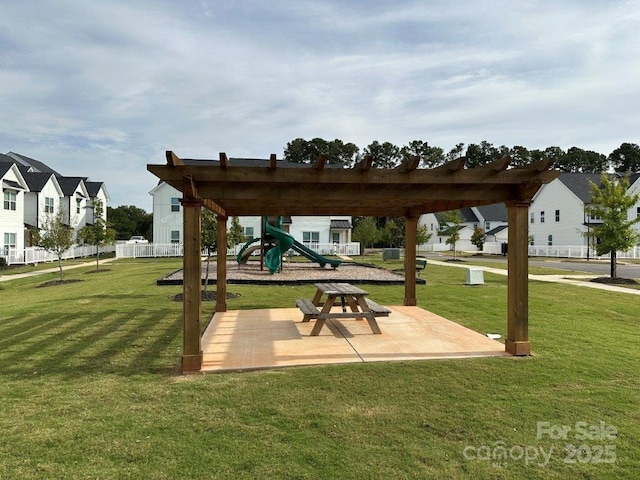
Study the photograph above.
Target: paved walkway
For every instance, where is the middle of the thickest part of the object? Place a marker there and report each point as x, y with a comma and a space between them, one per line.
56, 269
576, 280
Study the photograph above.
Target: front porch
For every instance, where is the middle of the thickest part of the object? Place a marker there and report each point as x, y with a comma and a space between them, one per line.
268, 338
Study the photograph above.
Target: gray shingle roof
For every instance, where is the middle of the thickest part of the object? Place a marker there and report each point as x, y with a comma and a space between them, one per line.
36, 164
69, 184
93, 187
579, 184
36, 180
494, 213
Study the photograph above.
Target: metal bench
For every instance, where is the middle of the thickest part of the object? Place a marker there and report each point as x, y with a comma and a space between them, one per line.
421, 264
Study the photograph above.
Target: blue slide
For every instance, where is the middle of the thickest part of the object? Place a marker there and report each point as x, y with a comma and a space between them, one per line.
273, 258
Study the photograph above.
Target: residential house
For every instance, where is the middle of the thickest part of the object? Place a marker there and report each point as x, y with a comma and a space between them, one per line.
558, 216
42, 201
74, 201
491, 218
97, 193
32, 191
167, 222
12, 226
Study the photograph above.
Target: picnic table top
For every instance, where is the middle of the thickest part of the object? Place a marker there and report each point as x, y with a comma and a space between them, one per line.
340, 289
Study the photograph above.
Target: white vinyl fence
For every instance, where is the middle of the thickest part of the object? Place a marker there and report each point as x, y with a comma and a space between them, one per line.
139, 250
34, 255
571, 251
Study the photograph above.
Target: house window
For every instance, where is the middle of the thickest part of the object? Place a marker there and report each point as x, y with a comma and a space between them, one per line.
78, 202
175, 236
550, 240
9, 242
48, 205
487, 226
248, 233
533, 218
637, 212
531, 240
557, 215
175, 204
310, 237
335, 237
9, 200
542, 216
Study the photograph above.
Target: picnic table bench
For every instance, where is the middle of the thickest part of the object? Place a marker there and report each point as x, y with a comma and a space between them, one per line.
355, 298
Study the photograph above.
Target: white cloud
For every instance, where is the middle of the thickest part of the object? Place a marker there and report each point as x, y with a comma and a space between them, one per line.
108, 86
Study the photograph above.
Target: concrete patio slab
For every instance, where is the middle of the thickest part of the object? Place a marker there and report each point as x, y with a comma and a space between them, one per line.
268, 338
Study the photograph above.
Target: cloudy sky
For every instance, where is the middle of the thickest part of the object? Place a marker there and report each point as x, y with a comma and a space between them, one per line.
102, 88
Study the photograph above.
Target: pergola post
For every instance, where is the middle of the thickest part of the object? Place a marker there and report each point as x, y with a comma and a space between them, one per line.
191, 350
221, 262
517, 342
411, 233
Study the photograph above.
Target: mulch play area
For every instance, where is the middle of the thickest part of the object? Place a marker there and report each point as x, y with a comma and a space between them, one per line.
295, 273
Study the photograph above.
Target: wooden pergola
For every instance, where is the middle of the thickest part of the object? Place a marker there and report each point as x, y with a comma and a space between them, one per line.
248, 187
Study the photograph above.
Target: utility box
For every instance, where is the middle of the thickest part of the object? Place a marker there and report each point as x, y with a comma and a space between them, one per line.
475, 276
391, 254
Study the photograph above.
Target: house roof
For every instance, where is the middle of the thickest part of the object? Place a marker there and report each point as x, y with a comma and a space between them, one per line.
231, 186
496, 230
494, 213
37, 180
341, 224
4, 166
579, 184
468, 215
11, 184
69, 184
93, 188
26, 161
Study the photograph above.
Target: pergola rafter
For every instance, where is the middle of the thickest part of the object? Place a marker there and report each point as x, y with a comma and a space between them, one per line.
245, 187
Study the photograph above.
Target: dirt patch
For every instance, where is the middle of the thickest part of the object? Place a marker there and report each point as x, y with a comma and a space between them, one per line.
615, 281
54, 283
208, 296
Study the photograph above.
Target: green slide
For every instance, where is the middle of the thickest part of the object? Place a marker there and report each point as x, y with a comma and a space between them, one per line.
247, 250
273, 258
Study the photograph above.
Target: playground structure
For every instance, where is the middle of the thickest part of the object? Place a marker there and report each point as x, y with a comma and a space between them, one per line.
275, 243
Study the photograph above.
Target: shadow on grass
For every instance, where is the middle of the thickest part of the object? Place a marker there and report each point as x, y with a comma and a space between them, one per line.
69, 345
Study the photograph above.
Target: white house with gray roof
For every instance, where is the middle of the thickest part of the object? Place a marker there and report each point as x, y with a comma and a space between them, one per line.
33, 191
310, 230
557, 215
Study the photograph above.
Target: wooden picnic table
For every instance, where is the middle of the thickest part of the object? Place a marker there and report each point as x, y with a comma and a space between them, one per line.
353, 297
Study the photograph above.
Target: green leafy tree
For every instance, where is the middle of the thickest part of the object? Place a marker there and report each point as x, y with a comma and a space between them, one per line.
455, 153
55, 236
610, 202
384, 155
99, 234
235, 235
485, 152
478, 238
429, 156
578, 160
366, 232
128, 221
625, 158
391, 234
208, 238
335, 151
450, 222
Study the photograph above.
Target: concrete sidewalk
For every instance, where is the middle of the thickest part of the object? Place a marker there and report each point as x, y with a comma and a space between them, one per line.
576, 280
15, 276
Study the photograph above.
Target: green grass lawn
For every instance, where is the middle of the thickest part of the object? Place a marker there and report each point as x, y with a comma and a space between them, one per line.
89, 389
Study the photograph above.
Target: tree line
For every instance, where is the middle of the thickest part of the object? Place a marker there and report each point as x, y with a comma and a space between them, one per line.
625, 158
